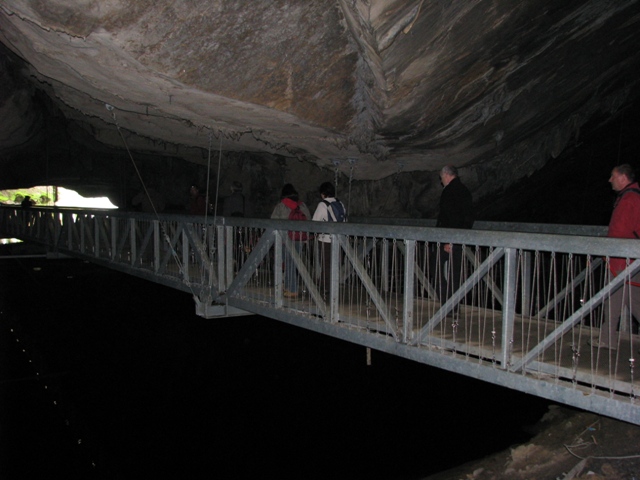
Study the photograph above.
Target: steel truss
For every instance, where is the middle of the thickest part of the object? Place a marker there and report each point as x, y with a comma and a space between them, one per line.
531, 299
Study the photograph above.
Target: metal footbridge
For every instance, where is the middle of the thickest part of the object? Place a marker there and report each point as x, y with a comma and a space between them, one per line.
533, 298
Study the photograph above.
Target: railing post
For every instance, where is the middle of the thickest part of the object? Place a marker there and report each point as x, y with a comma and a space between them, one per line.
211, 250
278, 277
526, 283
334, 281
37, 220
228, 260
114, 237
96, 236
71, 224
156, 245
185, 253
221, 254
409, 279
384, 266
57, 222
509, 303
81, 220
132, 235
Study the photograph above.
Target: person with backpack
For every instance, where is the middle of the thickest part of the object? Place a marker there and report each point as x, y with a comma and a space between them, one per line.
291, 208
624, 223
330, 209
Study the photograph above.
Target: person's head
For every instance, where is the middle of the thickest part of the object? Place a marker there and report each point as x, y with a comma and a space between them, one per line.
194, 190
448, 173
236, 187
327, 190
621, 176
288, 191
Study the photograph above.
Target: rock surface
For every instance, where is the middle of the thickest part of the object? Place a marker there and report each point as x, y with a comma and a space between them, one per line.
370, 88
567, 445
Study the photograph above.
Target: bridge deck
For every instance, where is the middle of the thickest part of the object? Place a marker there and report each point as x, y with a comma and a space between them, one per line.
480, 331
381, 292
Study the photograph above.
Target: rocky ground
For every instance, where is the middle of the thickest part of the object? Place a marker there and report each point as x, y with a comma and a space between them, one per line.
567, 445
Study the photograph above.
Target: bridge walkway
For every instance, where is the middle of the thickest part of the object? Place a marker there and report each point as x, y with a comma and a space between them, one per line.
481, 330
533, 296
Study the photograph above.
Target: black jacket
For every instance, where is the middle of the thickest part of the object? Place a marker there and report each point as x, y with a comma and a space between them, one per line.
456, 206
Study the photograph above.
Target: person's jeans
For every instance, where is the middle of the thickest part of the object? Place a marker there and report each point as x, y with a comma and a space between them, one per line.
290, 271
629, 295
324, 250
446, 268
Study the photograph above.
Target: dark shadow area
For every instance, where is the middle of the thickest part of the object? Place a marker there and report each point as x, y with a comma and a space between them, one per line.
572, 189
152, 390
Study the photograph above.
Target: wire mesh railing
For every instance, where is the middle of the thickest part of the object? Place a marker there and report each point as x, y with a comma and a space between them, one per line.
525, 310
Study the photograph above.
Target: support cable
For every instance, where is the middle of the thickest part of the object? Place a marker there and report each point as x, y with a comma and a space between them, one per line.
135, 166
215, 208
144, 186
206, 210
215, 204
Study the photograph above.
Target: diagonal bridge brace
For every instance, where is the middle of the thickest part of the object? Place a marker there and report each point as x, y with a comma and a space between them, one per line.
369, 285
458, 295
219, 300
258, 254
577, 317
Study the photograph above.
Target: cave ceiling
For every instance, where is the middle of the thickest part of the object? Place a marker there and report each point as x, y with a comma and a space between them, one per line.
392, 85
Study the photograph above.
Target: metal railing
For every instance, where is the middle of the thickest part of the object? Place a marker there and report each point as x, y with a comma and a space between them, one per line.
532, 297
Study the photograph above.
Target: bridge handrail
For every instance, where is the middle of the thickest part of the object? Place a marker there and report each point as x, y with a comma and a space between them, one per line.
558, 229
479, 225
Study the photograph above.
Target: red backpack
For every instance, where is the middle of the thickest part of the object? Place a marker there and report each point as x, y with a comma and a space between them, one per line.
297, 214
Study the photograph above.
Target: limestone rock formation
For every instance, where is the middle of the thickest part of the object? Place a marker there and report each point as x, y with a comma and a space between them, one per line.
369, 90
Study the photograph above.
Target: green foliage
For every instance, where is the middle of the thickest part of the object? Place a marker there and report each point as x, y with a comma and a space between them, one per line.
40, 195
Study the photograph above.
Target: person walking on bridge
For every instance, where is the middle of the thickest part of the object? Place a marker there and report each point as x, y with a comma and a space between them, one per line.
456, 211
236, 204
624, 223
291, 208
197, 201
330, 209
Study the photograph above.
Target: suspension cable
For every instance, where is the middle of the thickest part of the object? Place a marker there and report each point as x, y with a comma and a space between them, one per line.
215, 208
135, 166
207, 202
206, 210
126, 146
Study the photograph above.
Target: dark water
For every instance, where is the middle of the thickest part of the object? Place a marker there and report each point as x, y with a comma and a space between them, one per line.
143, 388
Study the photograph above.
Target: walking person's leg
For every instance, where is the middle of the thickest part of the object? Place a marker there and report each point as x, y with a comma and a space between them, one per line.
290, 274
611, 317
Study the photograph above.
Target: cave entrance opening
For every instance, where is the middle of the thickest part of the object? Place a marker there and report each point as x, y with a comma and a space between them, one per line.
53, 196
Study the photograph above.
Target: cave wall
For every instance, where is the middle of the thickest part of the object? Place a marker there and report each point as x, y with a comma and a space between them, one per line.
67, 152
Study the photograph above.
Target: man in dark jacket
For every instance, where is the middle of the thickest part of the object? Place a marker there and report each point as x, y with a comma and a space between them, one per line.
236, 204
456, 211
